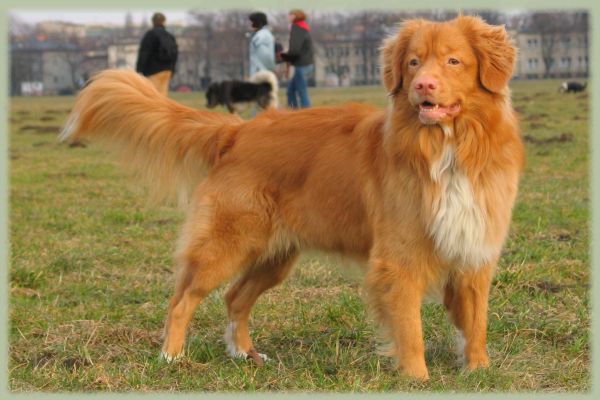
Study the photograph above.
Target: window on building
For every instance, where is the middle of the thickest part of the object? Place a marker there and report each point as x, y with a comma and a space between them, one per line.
565, 62
533, 63
565, 41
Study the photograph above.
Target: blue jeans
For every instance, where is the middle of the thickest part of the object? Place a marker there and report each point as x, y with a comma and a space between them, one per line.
298, 86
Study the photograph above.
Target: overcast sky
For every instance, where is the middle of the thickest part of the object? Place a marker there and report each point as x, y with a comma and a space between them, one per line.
97, 17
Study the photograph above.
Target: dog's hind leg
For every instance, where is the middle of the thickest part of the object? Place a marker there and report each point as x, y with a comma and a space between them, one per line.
466, 299
217, 244
240, 298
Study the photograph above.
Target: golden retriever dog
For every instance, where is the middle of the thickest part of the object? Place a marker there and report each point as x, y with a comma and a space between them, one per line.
422, 191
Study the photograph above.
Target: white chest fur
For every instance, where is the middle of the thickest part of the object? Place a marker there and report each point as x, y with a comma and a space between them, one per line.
458, 224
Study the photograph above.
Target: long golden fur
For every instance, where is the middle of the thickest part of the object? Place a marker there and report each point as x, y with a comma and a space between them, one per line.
421, 191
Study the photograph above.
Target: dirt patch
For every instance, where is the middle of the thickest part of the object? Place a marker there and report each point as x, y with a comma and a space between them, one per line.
70, 174
161, 222
563, 237
39, 361
57, 111
546, 287
536, 117
537, 125
74, 363
40, 129
24, 292
77, 143
23, 112
563, 138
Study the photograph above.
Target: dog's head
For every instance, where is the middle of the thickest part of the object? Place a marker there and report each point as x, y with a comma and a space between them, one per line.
213, 95
440, 67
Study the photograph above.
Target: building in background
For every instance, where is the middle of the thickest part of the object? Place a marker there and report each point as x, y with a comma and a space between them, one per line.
565, 55
58, 57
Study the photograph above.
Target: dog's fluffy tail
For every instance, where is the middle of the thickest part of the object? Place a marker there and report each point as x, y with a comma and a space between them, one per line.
169, 145
271, 78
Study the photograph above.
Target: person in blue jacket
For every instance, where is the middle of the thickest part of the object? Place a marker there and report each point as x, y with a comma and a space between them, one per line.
262, 45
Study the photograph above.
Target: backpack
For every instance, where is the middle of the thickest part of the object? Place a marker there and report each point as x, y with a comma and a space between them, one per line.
167, 47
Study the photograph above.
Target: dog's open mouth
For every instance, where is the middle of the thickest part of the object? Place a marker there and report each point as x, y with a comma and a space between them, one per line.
430, 113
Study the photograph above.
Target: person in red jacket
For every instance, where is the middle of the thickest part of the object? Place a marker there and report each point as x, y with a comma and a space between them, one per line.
300, 55
158, 54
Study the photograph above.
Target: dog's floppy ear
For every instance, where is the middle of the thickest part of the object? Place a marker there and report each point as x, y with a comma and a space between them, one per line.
494, 51
393, 53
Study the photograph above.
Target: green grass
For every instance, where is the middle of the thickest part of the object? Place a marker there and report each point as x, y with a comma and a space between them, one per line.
91, 274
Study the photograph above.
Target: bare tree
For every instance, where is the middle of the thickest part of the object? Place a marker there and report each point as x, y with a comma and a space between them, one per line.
70, 46
490, 16
551, 26
203, 33
129, 26
332, 40
18, 28
234, 39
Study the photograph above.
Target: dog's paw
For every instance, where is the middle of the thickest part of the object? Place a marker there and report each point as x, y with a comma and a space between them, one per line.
476, 361
170, 358
258, 358
415, 372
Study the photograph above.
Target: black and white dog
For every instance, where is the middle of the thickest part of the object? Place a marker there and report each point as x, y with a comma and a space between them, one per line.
573, 87
262, 88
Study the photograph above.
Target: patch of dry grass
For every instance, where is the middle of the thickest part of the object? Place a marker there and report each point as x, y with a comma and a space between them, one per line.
91, 274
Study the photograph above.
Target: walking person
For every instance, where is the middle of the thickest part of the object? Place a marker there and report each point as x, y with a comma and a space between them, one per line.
262, 45
300, 55
158, 54
262, 57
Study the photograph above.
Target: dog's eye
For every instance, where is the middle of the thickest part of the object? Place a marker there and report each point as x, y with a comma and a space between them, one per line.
453, 61
414, 62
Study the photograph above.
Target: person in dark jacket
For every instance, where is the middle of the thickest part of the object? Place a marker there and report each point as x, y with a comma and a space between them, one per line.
300, 55
158, 54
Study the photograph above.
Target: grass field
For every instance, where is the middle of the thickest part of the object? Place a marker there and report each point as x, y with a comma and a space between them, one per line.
91, 274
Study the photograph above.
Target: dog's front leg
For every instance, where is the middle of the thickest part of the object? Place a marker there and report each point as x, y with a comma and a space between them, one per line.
395, 294
466, 299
